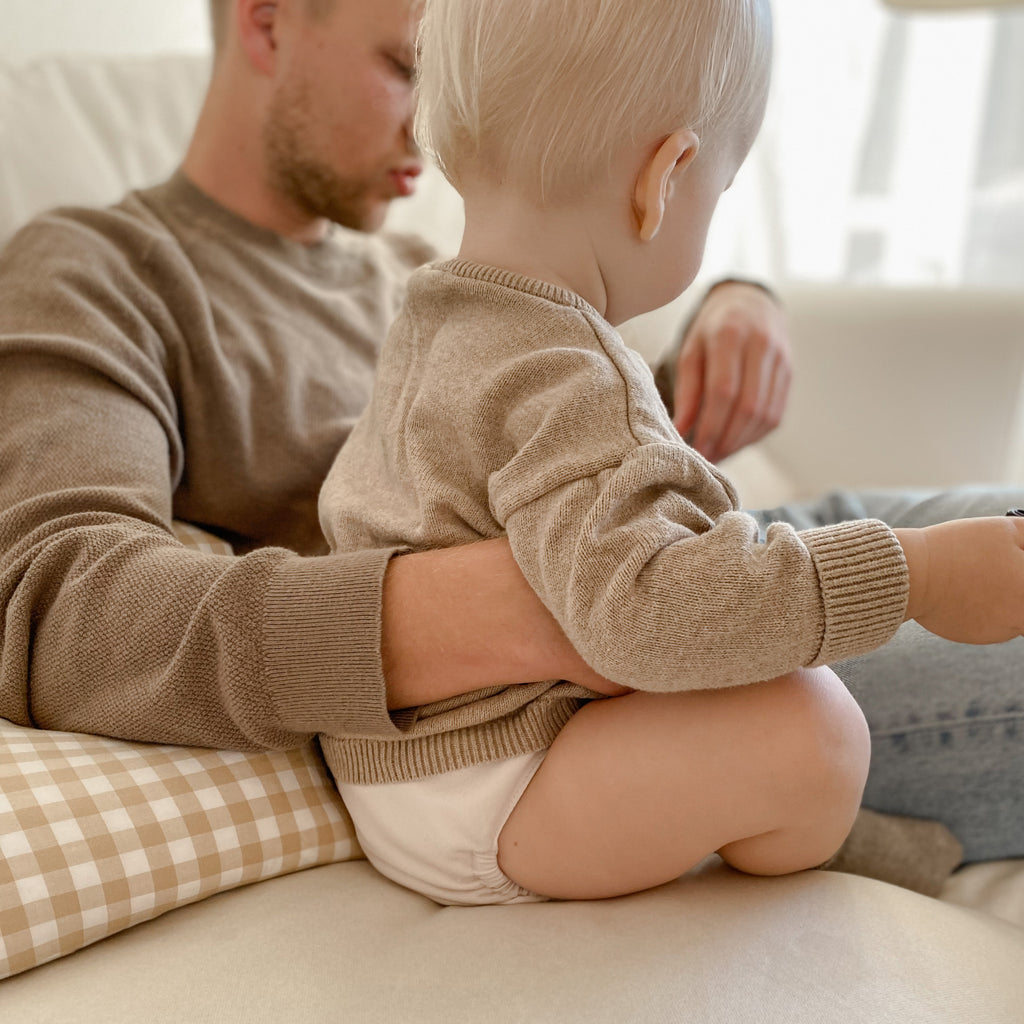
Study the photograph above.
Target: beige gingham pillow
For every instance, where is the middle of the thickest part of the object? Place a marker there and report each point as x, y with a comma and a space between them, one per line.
97, 835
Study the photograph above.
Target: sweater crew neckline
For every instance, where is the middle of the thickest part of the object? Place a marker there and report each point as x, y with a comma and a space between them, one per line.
487, 274
180, 194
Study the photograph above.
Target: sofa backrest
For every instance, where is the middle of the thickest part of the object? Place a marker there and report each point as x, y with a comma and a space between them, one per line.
84, 130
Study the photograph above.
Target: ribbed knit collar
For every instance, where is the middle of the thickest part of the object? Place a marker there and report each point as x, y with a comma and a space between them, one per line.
519, 282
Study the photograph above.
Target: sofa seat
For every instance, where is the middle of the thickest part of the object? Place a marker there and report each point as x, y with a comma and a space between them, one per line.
339, 943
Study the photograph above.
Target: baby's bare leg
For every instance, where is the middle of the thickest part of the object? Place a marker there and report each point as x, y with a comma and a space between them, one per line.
638, 789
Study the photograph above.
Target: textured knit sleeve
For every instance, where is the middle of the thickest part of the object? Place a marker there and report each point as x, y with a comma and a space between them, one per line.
109, 625
633, 541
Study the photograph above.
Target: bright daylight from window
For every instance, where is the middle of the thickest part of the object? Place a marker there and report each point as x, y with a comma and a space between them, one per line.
893, 150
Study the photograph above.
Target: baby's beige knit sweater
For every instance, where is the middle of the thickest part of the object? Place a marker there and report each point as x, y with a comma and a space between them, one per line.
505, 405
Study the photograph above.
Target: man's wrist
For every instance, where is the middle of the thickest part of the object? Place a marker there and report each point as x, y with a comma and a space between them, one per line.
460, 619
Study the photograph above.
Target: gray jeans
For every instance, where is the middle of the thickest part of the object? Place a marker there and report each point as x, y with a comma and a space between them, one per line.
947, 720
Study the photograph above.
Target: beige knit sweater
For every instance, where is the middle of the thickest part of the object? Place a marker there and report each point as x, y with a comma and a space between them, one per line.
507, 405
166, 359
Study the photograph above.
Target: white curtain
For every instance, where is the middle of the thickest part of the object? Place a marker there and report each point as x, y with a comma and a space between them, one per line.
892, 151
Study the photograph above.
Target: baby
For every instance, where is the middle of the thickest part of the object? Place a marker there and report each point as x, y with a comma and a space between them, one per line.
591, 141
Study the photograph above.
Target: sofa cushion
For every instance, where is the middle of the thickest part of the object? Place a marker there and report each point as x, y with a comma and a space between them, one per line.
342, 943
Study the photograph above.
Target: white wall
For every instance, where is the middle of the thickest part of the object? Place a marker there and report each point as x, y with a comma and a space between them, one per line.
31, 28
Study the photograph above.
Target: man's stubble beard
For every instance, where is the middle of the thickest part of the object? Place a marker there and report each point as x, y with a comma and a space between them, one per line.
305, 180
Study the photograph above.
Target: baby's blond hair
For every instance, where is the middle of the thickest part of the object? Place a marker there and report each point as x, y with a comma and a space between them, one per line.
541, 95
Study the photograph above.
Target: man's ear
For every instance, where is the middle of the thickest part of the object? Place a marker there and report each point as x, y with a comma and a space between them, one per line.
655, 178
256, 21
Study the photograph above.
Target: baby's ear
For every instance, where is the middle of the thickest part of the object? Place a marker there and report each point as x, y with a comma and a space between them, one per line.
652, 184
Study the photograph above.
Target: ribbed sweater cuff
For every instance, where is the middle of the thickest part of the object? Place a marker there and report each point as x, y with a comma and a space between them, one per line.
864, 585
322, 644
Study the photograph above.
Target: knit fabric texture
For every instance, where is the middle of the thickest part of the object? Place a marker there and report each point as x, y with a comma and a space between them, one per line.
165, 359
506, 405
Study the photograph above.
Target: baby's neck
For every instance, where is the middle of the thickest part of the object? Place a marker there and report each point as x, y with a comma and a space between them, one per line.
555, 244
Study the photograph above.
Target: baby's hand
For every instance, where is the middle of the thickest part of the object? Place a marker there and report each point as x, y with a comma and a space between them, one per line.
967, 578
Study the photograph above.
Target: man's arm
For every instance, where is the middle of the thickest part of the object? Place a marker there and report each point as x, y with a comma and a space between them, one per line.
460, 618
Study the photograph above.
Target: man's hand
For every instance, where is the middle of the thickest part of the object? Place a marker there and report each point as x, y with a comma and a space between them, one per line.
734, 370
967, 578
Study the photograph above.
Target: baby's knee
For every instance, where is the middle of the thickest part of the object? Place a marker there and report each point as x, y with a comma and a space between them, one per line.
831, 745
819, 758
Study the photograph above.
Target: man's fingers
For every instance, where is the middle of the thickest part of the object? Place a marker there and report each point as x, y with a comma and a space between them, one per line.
782, 378
733, 372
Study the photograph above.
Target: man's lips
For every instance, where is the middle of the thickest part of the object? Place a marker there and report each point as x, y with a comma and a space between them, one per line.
403, 179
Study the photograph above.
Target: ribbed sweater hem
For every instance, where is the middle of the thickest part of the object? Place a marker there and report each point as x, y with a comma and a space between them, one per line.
374, 762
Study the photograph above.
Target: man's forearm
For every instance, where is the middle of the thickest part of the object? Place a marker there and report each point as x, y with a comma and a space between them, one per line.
460, 619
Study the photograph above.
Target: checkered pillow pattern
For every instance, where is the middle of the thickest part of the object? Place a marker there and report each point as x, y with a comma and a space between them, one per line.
97, 835
192, 536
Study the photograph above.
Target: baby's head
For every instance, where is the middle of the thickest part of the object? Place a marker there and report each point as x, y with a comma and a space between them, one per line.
542, 96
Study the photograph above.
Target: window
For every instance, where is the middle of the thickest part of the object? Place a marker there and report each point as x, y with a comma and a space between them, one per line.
892, 151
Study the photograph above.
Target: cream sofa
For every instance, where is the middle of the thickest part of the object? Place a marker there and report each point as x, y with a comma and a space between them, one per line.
337, 942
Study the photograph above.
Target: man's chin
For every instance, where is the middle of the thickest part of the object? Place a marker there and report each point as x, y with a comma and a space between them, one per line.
368, 217
376, 216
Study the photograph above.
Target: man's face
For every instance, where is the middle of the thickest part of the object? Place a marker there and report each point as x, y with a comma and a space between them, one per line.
338, 134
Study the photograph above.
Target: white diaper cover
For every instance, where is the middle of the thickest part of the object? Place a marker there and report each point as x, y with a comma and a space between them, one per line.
439, 835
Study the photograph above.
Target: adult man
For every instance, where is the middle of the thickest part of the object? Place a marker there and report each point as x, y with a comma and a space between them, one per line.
200, 351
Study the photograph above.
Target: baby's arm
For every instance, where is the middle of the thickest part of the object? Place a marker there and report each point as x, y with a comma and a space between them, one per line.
657, 595
967, 578
634, 543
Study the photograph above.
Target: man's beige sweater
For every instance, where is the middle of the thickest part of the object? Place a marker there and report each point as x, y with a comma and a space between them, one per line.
505, 405
166, 359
